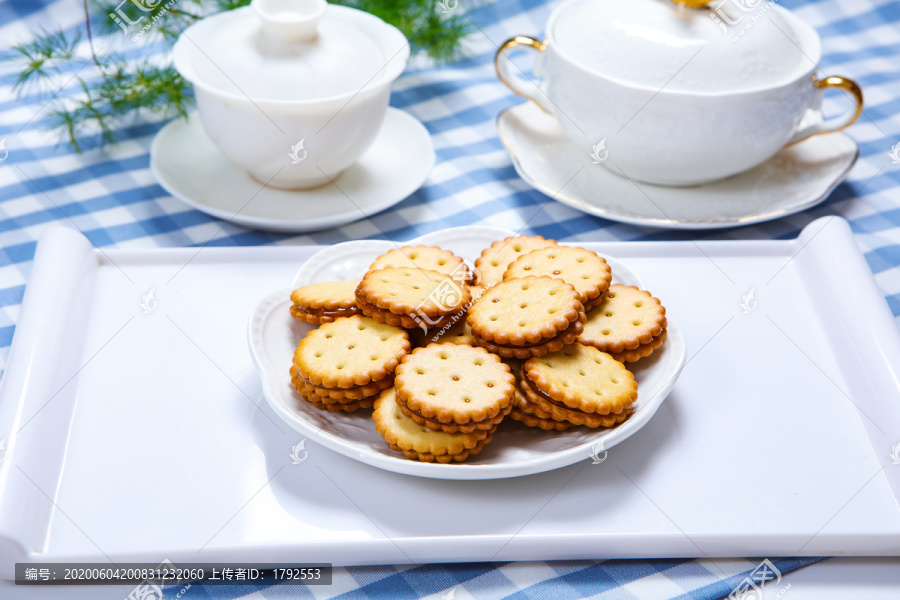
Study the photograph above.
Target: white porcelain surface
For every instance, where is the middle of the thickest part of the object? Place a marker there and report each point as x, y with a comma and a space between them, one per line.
793, 180
156, 441
676, 135
292, 108
190, 167
644, 42
515, 450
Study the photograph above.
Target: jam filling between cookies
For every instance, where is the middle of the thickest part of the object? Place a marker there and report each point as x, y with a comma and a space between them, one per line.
539, 393
335, 313
355, 387
573, 325
503, 412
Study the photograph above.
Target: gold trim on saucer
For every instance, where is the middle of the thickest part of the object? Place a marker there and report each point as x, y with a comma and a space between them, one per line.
692, 3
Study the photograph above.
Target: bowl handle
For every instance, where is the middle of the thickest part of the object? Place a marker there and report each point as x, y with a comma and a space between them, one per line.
837, 123
502, 63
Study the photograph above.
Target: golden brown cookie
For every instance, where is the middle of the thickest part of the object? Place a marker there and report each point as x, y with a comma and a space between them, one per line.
642, 351
420, 443
494, 260
525, 311
324, 403
588, 273
324, 302
442, 458
457, 333
436, 425
404, 321
351, 393
348, 407
318, 317
331, 295
527, 351
421, 295
430, 258
581, 378
524, 415
350, 352
454, 384
542, 407
626, 319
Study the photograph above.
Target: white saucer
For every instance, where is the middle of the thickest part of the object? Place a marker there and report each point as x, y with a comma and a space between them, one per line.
793, 180
190, 167
515, 451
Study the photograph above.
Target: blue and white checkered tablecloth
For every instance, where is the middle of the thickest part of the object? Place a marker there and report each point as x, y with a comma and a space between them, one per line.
112, 197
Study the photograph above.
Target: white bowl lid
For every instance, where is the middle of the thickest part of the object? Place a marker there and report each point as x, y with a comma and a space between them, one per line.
290, 50
729, 46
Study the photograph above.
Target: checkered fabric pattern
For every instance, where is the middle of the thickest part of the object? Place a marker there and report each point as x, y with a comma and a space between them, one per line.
111, 196
610, 580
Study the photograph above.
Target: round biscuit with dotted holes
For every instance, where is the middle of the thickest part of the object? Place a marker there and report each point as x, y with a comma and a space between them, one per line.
350, 352
543, 409
406, 291
564, 338
525, 311
453, 427
404, 435
430, 258
358, 392
588, 273
524, 413
493, 261
454, 383
404, 321
642, 351
330, 295
582, 378
625, 319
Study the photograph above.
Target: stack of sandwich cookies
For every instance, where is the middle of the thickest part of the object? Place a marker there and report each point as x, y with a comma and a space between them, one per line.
325, 400
588, 273
454, 388
513, 340
408, 297
418, 442
324, 302
429, 258
523, 410
493, 262
527, 414
578, 385
521, 318
629, 324
344, 365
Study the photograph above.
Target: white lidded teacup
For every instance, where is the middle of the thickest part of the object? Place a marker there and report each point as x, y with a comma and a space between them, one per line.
675, 92
293, 91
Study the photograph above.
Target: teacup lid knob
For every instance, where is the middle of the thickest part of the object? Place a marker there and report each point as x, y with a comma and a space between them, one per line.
692, 3
290, 20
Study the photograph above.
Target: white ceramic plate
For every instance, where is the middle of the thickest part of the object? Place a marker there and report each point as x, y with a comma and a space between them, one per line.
795, 179
190, 167
515, 450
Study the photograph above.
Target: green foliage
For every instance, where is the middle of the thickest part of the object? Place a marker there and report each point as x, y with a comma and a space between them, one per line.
41, 56
108, 89
422, 22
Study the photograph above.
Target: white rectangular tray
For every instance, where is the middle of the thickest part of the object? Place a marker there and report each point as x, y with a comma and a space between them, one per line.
141, 436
